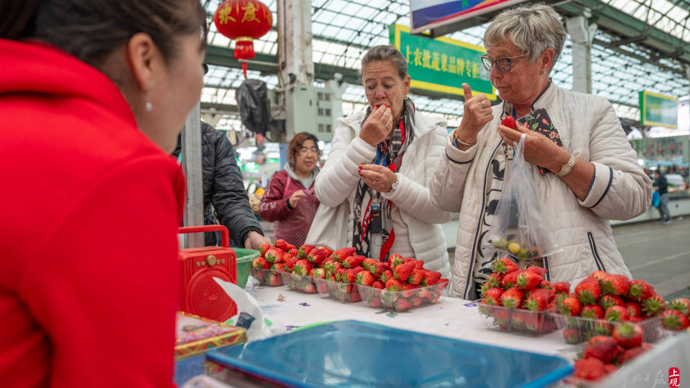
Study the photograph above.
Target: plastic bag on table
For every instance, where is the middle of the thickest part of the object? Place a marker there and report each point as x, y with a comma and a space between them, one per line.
520, 228
249, 314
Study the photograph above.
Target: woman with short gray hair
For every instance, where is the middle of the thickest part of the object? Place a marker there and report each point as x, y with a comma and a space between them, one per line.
378, 169
585, 170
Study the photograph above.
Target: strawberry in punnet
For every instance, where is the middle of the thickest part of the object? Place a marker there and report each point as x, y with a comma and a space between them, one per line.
416, 277
279, 267
442, 283
344, 253
538, 270
653, 306
560, 287
352, 274
634, 309
589, 369
509, 122
395, 260
317, 255
493, 295
510, 279
616, 314
628, 335
393, 285
602, 348
365, 278
353, 261
302, 267
304, 250
512, 298
610, 368
318, 273
416, 301
505, 266
538, 300
403, 271
263, 248
291, 263
483, 289
328, 250
588, 291
495, 280
378, 268
630, 354
378, 285
274, 255
547, 285
419, 264
386, 276
282, 245
402, 304
640, 290
674, 320
599, 275
323, 288
572, 335
286, 257
570, 306
409, 290
681, 305
369, 263
592, 311
258, 263
294, 252
430, 278
608, 301
615, 284
275, 280
528, 280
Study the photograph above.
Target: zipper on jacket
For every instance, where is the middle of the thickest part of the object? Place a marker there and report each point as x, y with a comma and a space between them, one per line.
595, 253
481, 219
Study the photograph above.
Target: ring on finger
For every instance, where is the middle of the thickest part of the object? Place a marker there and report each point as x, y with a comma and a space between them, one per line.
388, 127
483, 104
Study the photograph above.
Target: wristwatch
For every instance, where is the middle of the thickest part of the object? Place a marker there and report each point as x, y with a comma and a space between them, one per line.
567, 168
395, 184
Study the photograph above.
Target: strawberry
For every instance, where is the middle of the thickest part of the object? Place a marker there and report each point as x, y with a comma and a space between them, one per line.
442, 283
310, 288
286, 257
592, 311
291, 263
403, 271
302, 267
258, 262
634, 309
409, 290
387, 275
395, 260
547, 285
510, 279
512, 298
263, 248
352, 274
393, 285
323, 288
630, 354
509, 122
378, 285
572, 335
603, 328
640, 290
616, 314
304, 251
628, 335
681, 305
416, 277
416, 301
353, 261
653, 306
607, 301
332, 266
279, 267
483, 289
275, 280
528, 280
430, 278
344, 253
562, 287
318, 273
293, 252
378, 268
495, 294
674, 320
282, 245
538, 270
376, 302
328, 250
495, 280
588, 291
538, 300
419, 264
368, 264
602, 348
402, 304
615, 284
589, 369
599, 275
317, 255
365, 278
505, 266
610, 368
570, 306
273, 255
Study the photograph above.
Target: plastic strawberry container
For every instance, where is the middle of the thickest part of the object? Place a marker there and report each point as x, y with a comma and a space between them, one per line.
518, 321
582, 329
400, 301
299, 283
344, 292
267, 277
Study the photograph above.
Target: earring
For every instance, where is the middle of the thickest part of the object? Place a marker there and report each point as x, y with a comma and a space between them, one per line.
148, 106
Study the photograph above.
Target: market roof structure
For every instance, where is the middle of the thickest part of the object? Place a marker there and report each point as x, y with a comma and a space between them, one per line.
639, 45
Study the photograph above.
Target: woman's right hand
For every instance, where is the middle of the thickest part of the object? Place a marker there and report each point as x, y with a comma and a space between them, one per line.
377, 126
477, 114
295, 197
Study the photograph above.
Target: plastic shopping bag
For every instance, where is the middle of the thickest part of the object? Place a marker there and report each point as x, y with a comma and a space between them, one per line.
520, 227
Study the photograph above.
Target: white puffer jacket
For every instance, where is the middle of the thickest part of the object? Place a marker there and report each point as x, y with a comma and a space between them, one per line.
590, 130
339, 177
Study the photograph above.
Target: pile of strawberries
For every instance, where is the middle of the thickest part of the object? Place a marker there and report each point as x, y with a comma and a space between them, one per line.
677, 315
601, 300
399, 284
517, 299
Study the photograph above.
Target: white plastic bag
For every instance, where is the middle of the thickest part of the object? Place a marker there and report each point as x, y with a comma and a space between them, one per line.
520, 228
249, 314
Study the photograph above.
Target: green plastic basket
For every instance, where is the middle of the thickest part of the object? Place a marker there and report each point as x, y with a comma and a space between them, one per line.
244, 262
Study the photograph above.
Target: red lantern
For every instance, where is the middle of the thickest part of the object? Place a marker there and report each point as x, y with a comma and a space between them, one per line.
243, 21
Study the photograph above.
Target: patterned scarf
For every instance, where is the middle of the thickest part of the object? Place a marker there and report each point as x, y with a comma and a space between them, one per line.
388, 153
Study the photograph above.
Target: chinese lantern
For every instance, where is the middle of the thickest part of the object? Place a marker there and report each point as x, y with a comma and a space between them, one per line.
243, 21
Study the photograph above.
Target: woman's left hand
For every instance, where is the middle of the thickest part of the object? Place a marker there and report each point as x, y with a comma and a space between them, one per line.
377, 177
539, 150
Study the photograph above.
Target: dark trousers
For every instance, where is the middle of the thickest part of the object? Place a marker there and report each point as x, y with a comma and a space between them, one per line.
663, 207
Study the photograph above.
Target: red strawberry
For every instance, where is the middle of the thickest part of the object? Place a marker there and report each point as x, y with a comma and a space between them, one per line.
317, 255
263, 248
509, 122
276, 280
608, 301
602, 348
495, 294
538, 270
353, 261
387, 275
628, 335
495, 280
528, 280
310, 288
674, 320
279, 267
430, 278
589, 369
301, 267
653, 306
286, 257
318, 273
395, 260
610, 368
376, 302
505, 266
510, 279
570, 306
274, 255
615, 284
681, 305
378, 285
365, 278
634, 309
419, 264
442, 283
484, 288
416, 301
640, 290
393, 285
572, 335
304, 250
402, 304
561, 287
512, 298
323, 288
282, 245
588, 291
409, 290
328, 250
368, 264
538, 300
416, 277
291, 263
403, 271
547, 285
258, 262
592, 311
616, 314
294, 252
344, 253
599, 275
630, 354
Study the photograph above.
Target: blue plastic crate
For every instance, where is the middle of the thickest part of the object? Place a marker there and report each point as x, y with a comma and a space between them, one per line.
362, 354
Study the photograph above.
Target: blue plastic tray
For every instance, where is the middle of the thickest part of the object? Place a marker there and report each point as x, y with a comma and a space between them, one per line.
362, 354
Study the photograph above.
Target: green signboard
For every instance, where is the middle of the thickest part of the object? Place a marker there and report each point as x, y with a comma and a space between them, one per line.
658, 110
442, 64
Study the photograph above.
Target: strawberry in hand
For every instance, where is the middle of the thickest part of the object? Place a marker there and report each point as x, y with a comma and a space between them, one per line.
509, 122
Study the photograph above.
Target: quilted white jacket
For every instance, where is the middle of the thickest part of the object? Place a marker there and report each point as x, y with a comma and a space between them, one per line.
339, 177
590, 130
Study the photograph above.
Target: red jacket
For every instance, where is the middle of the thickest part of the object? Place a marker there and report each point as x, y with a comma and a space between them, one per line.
90, 208
291, 225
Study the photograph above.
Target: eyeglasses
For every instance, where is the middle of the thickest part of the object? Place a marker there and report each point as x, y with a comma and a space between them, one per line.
502, 64
304, 151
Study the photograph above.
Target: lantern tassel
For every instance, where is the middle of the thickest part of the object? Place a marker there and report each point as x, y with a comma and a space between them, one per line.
244, 69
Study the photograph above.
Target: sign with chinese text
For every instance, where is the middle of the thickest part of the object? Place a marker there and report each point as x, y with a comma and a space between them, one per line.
428, 14
442, 64
658, 110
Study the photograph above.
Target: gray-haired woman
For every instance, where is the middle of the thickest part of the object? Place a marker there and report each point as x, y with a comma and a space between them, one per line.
379, 165
586, 171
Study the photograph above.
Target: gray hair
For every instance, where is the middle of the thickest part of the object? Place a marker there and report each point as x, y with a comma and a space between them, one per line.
386, 53
532, 28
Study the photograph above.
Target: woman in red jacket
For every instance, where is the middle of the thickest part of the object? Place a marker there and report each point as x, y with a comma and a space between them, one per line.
93, 94
289, 201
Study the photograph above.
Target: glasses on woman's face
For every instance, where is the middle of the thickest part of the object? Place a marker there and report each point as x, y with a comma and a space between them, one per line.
304, 151
504, 65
